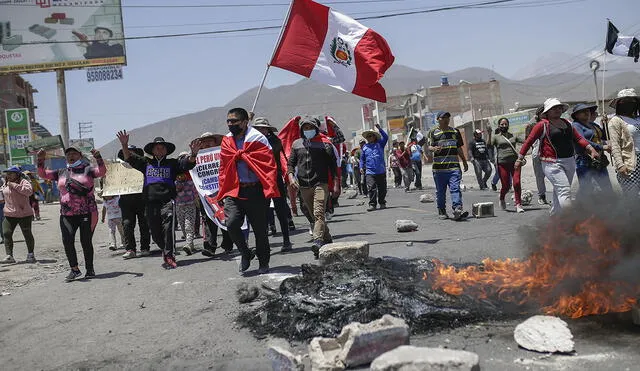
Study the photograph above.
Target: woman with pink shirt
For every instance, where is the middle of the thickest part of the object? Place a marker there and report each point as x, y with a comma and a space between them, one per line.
78, 209
17, 212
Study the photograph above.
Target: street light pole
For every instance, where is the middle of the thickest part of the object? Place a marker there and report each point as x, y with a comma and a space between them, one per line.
473, 115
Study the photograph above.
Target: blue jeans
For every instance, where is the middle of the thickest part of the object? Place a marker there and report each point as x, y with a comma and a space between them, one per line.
451, 179
592, 180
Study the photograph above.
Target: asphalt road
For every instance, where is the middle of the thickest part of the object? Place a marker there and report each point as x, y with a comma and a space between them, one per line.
136, 315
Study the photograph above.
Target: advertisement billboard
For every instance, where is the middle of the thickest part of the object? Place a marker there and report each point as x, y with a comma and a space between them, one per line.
518, 121
18, 134
40, 35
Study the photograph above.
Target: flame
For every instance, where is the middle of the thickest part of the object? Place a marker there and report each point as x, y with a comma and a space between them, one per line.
573, 280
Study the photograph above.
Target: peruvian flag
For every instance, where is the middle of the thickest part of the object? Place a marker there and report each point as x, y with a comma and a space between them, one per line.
258, 156
331, 48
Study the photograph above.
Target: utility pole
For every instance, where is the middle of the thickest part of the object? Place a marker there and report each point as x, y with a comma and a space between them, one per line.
62, 102
473, 115
84, 128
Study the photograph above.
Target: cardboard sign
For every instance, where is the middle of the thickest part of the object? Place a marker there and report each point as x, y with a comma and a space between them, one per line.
122, 179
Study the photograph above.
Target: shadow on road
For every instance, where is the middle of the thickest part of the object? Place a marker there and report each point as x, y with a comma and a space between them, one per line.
115, 274
186, 263
289, 269
428, 242
337, 236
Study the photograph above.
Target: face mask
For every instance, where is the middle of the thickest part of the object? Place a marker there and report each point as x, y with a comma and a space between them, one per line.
504, 129
235, 129
309, 133
75, 164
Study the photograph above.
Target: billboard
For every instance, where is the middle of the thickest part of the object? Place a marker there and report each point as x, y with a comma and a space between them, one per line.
18, 134
518, 121
40, 35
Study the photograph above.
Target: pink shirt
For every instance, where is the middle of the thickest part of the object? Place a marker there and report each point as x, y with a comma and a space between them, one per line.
72, 199
16, 199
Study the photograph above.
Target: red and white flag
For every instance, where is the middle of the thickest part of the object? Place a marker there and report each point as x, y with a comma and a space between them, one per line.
324, 45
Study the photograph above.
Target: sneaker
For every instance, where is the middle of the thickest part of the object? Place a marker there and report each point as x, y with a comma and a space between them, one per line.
494, 187
286, 247
113, 247
316, 249
292, 226
503, 204
310, 229
245, 261
144, 253
328, 216
263, 269
90, 273
459, 214
170, 262
8, 260
209, 252
442, 214
187, 250
31, 258
383, 206
74, 274
519, 209
272, 230
371, 208
130, 254
542, 200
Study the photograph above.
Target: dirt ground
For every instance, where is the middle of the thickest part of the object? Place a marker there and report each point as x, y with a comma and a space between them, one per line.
137, 316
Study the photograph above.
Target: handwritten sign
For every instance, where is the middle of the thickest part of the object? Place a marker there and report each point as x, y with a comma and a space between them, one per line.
122, 179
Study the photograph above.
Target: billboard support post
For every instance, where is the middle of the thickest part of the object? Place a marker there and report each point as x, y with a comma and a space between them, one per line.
62, 102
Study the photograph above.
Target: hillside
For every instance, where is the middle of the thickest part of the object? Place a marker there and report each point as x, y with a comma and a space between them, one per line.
307, 97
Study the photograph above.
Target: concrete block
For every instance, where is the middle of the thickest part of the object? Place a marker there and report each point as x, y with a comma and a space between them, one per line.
362, 343
406, 225
283, 360
427, 198
483, 210
545, 334
67, 21
50, 20
324, 353
43, 31
409, 358
344, 251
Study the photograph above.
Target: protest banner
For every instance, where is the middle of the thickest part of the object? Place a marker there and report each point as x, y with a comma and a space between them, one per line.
205, 178
122, 179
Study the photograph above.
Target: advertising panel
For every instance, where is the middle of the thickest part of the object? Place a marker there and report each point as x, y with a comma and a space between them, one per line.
40, 35
18, 134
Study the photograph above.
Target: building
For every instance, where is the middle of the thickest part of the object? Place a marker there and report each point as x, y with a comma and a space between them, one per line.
16, 92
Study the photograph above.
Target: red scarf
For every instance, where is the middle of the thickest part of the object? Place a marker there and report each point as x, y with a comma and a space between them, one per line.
257, 154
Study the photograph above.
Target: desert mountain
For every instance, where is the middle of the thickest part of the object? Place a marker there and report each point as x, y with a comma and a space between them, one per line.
307, 97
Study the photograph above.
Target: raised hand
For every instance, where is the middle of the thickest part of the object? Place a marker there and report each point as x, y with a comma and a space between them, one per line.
42, 155
95, 153
123, 137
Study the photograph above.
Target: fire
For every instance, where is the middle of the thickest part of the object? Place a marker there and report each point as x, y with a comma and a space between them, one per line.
571, 275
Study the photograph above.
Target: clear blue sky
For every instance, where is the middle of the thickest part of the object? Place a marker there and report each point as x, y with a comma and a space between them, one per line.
170, 77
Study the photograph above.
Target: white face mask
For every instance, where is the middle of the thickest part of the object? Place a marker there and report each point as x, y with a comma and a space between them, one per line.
309, 133
75, 164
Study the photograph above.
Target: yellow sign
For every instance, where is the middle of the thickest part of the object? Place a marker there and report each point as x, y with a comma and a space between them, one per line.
122, 179
396, 124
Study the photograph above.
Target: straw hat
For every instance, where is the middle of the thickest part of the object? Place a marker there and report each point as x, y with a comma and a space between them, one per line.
262, 122
624, 93
366, 133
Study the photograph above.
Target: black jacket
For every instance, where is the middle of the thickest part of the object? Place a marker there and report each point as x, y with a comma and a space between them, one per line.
159, 176
313, 160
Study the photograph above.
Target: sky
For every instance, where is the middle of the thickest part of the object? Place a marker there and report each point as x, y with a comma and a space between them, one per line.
173, 76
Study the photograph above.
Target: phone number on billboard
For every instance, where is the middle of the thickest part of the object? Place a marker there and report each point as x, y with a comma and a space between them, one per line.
104, 75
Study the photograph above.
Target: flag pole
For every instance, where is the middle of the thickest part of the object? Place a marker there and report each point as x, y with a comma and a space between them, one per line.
604, 66
275, 48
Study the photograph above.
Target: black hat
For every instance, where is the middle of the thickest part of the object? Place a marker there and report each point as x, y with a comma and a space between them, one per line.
160, 140
442, 114
132, 148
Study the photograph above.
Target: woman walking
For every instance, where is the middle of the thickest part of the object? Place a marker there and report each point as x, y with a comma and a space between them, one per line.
506, 157
394, 165
37, 193
557, 137
624, 132
592, 174
78, 209
17, 212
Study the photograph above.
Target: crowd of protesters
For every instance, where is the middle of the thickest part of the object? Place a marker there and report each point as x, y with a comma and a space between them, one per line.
264, 176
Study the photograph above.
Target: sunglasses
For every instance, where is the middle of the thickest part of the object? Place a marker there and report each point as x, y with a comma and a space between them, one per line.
233, 121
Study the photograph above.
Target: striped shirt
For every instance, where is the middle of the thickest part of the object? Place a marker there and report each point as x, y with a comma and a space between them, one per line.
449, 140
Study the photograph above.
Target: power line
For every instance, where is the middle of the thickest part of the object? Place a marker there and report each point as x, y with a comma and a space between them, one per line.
246, 5
247, 29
